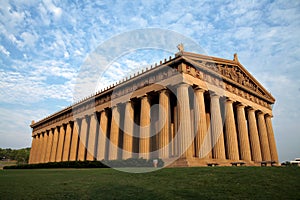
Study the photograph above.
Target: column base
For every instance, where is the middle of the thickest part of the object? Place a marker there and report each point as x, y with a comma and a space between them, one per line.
197, 162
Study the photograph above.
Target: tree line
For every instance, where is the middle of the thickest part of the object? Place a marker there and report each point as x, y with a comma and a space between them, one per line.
20, 155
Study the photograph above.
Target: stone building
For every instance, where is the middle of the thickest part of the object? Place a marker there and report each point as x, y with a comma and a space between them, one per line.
190, 110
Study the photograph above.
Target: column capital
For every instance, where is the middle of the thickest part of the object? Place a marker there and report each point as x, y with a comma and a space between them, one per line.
144, 95
259, 112
70, 122
94, 114
164, 91
214, 95
57, 126
199, 89
118, 105
241, 105
269, 115
78, 120
183, 84
104, 110
229, 100
86, 117
250, 109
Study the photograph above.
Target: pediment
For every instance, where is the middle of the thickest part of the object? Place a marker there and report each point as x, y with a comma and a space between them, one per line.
230, 70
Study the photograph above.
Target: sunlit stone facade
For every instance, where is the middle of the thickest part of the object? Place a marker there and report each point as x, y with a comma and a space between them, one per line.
193, 109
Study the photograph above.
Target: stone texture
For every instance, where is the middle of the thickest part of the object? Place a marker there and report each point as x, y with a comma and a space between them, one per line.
230, 132
184, 130
83, 138
49, 145
271, 137
102, 139
254, 138
245, 152
38, 148
144, 147
44, 149
263, 137
202, 145
114, 134
217, 128
128, 131
60, 145
164, 124
33, 146
74, 142
90, 155
209, 137
67, 144
54, 145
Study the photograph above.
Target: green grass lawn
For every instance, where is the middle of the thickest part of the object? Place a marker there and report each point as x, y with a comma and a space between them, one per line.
169, 183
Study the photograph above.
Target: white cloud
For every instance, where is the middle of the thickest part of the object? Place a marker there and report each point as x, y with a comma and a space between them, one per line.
4, 50
14, 125
29, 39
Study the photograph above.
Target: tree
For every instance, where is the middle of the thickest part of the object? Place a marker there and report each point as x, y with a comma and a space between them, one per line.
20, 155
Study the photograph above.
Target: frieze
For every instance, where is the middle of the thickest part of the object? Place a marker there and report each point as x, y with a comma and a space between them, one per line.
232, 72
218, 81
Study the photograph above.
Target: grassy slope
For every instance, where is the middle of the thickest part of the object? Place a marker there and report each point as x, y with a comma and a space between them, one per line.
172, 183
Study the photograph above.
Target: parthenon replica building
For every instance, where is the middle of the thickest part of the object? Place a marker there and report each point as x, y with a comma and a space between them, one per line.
189, 110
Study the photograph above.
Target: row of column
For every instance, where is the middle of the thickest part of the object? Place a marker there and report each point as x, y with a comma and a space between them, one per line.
195, 132
250, 139
72, 141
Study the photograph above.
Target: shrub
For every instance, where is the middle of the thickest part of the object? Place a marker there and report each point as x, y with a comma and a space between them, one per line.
131, 162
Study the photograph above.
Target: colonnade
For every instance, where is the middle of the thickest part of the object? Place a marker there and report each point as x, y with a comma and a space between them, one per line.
207, 126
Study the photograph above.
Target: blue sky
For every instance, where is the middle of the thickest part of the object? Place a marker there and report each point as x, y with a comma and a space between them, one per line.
43, 45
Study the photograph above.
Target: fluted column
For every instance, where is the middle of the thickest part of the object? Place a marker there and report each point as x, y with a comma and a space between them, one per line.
33, 149
67, 144
128, 130
175, 141
185, 138
38, 147
44, 149
83, 138
164, 118
230, 132
54, 145
209, 136
271, 137
254, 138
60, 145
102, 139
49, 145
92, 137
74, 142
202, 140
263, 137
217, 128
114, 134
144, 147
243, 133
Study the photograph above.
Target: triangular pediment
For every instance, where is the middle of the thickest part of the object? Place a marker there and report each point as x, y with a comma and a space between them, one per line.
230, 70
